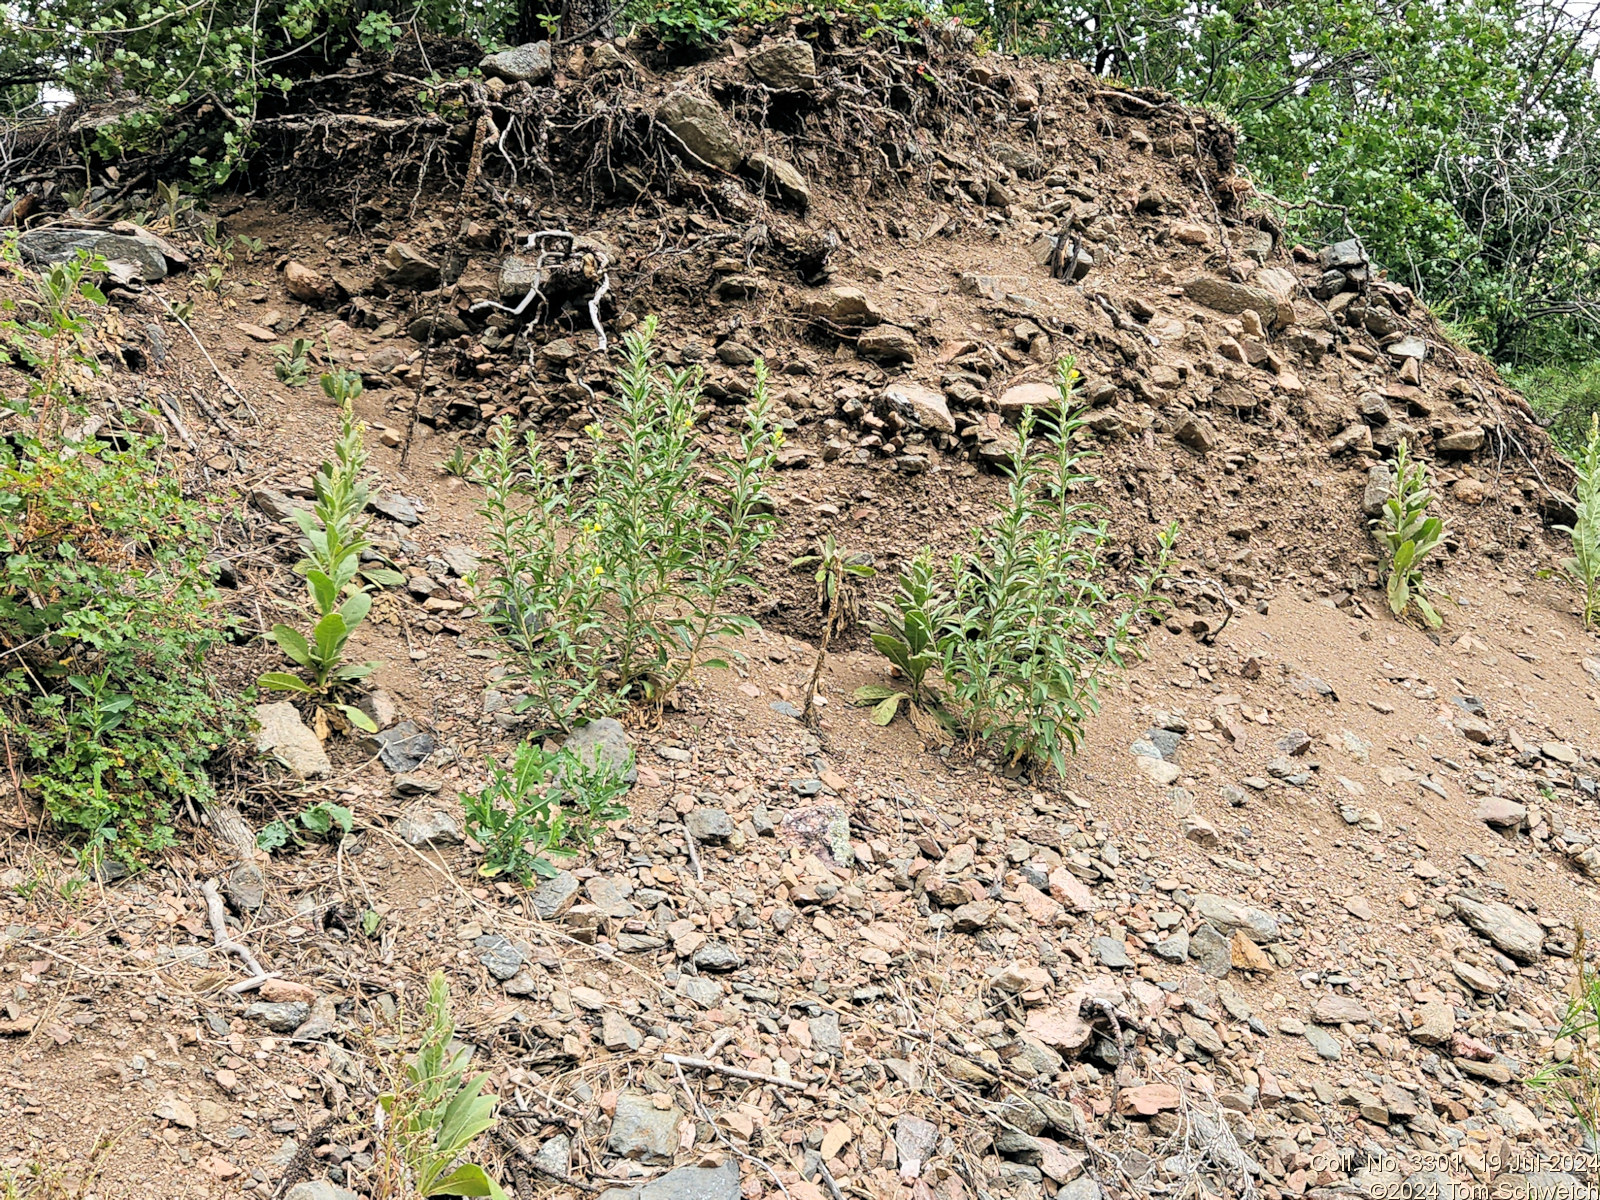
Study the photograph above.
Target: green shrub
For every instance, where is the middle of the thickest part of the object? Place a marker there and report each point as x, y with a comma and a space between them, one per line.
107, 606
608, 579
1584, 565
545, 806
1407, 535
1023, 624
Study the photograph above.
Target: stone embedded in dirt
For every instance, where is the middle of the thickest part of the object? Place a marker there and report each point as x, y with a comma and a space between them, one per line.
1462, 441
782, 177
617, 1033
716, 956
604, 743
843, 306
1211, 951
460, 560
528, 63
926, 406
702, 129
1561, 752
887, 344
1174, 949
134, 257
1477, 978
286, 991
282, 734
1324, 1043
786, 66
914, 1140
1247, 956
1228, 915
177, 1111
319, 1189
643, 1132
309, 286
709, 826
707, 993
1501, 813
280, 1018
825, 1035
1519, 936
1295, 743
1148, 1099
686, 1183
554, 896
976, 915
1111, 951
1201, 831
426, 825
1197, 433
396, 507
1071, 891
498, 955
404, 266
1332, 1008
825, 828
1015, 401
1160, 772
555, 1155
401, 749
1225, 296
274, 504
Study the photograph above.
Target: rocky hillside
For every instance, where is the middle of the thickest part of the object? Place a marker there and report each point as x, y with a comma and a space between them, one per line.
1299, 920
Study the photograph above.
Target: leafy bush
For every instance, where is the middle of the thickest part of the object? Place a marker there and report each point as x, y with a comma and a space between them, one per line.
908, 636
1584, 565
1565, 397
334, 535
1407, 535
546, 805
107, 606
608, 580
1023, 624
428, 1122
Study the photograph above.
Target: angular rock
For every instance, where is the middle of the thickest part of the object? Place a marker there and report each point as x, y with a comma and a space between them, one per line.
1197, 433
887, 344
130, 257
401, 749
643, 1132
782, 176
1324, 1043
1335, 1009
1148, 1099
426, 825
528, 63
1520, 936
843, 306
287, 738
498, 955
1211, 951
555, 896
925, 405
405, 267
1014, 401
1501, 813
701, 128
1433, 1023
603, 742
786, 66
1225, 296
319, 1189
1229, 915
709, 826
1463, 441
280, 1018
825, 828
686, 1183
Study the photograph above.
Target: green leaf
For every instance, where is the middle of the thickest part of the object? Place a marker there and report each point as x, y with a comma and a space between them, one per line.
358, 718
355, 610
330, 634
871, 693
282, 681
885, 711
293, 644
324, 592
273, 837
382, 577
468, 1179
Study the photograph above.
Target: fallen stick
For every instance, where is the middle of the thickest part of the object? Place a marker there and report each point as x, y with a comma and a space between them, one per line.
705, 1064
194, 337
227, 945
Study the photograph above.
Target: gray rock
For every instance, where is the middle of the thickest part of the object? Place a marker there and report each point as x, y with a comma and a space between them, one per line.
782, 177
280, 1018
1379, 480
825, 827
405, 267
1209, 950
1081, 1188
1323, 1042
554, 896
1112, 952
499, 957
641, 1131
274, 504
603, 742
427, 825
1229, 915
460, 559
246, 886
716, 956
138, 257
686, 1183
787, 66
1225, 296
517, 275
319, 1189
707, 993
528, 63
556, 1154
914, 1139
701, 128
1408, 347
1463, 441
282, 734
1518, 935
825, 1035
401, 749
396, 507
1343, 256
1165, 741
1197, 433
711, 826
1173, 949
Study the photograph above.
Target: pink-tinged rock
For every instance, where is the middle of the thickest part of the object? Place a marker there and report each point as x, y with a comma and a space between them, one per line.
1071, 891
1061, 1028
1148, 1100
1040, 908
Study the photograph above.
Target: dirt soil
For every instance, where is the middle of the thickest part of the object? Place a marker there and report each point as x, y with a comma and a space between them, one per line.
1298, 920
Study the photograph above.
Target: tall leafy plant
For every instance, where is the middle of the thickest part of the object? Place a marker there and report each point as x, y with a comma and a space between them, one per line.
610, 579
1584, 565
1407, 535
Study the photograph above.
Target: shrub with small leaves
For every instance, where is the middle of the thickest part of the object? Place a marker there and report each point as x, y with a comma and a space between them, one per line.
1584, 565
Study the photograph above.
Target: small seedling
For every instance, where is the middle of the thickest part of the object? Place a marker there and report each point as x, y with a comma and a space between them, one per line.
294, 362
459, 463
320, 820
1408, 535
